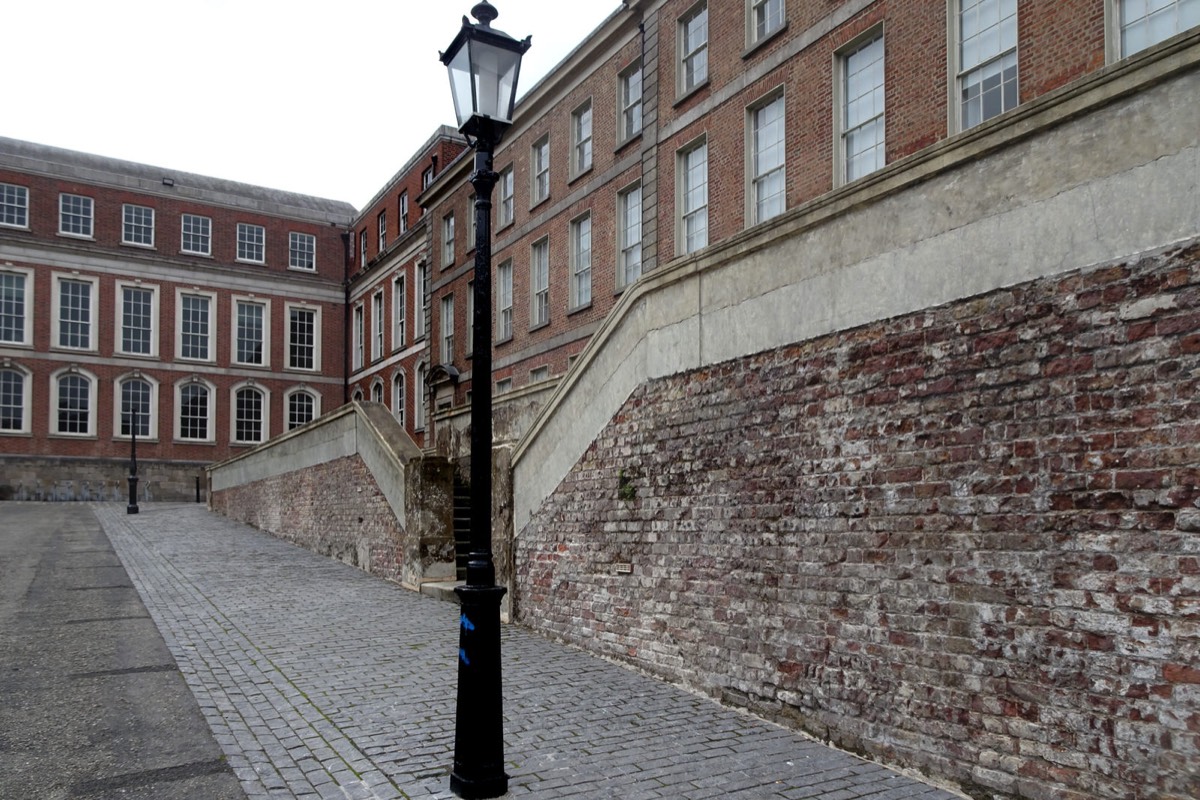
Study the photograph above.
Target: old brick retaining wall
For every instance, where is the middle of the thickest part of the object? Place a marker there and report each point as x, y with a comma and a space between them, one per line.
965, 539
335, 509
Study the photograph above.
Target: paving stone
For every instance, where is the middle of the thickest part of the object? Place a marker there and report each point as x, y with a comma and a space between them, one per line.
322, 681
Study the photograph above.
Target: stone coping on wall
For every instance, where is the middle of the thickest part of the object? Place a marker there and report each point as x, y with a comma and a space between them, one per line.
365, 429
1073, 179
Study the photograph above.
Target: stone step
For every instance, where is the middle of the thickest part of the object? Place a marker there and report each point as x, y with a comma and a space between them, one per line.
442, 590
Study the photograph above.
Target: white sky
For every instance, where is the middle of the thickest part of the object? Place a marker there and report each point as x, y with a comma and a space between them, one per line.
325, 98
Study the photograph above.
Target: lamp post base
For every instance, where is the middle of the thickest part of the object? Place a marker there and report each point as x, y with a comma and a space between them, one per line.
479, 733
132, 508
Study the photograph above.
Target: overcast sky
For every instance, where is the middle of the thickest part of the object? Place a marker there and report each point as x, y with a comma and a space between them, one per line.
325, 97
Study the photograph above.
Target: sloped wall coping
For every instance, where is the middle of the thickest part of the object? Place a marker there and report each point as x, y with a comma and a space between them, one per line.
1075, 178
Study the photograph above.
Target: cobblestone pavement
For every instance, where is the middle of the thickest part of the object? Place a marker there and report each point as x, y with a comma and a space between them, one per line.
320, 681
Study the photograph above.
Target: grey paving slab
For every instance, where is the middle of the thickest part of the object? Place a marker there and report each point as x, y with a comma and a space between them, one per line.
321, 681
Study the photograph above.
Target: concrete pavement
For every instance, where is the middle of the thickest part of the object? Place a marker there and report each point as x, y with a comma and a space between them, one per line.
91, 702
319, 681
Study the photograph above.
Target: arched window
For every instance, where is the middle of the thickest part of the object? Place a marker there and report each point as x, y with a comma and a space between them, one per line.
195, 411
377, 392
301, 409
136, 403
74, 410
249, 415
398, 397
358, 395
14, 401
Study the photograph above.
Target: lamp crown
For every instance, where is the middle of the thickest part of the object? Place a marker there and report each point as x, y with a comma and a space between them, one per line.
485, 12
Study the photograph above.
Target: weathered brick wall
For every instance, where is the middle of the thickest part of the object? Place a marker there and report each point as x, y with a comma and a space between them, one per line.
335, 509
61, 478
966, 539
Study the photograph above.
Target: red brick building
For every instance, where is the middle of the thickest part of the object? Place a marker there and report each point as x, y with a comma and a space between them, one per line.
678, 124
675, 125
204, 315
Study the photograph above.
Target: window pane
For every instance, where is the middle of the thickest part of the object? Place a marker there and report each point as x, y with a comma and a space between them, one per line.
194, 327
75, 314
193, 412
300, 409
135, 404
12, 400
248, 422
74, 404
12, 307
137, 308
250, 333
301, 338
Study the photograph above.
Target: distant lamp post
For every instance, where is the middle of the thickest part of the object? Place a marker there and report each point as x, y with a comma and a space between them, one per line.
484, 64
132, 508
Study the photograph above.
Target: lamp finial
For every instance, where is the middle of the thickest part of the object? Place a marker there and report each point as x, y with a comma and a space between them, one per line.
485, 12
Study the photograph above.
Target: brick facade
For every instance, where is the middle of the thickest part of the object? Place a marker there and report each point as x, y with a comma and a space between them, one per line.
335, 509
37, 261
963, 539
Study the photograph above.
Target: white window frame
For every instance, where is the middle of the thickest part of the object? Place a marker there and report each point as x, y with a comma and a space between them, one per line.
581, 138
362, 248
762, 202
378, 326
235, 302
629, 102
133, 222
289, 344
93, 312
195, 220
962, 72
504, 301
302, 251
506, 208
689, 53
581, 261
420, 397
538, 374
539, 283
14, 202
28, 304
85, 214
264, 419
403, 212
399, 395
377, 390
1117, 33
287, 405
773, 15
210, 412
843, 162
629, 235
399, 311
683, 195
118, 409
539, 170
251, 240
446, 319
504, 385
119, 322
448, 240
26, 398
420, 293
93, 402
358, 337
381, 222
212, 325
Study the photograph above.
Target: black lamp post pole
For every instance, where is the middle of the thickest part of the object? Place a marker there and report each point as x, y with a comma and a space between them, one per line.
132, 508
479, 726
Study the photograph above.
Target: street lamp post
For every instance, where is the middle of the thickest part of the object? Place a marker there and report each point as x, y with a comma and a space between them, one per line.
132, 508
484, 65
